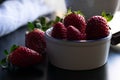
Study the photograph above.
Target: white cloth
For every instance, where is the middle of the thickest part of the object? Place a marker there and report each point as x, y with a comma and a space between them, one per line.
15, 13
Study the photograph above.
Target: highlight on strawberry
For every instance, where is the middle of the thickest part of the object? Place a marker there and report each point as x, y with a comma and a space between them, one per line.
20, 56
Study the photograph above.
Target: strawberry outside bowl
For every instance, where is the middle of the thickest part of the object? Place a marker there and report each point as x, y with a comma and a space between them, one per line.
77, 55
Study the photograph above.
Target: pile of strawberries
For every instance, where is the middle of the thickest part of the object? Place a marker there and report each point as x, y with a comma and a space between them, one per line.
75, 27
29, 55
72, 27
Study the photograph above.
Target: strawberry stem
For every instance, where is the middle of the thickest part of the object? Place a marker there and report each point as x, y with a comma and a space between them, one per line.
30, 26
13, 48
6, 52
107, 16
69, 11
3, 63
40, 23
43, 21
57, 19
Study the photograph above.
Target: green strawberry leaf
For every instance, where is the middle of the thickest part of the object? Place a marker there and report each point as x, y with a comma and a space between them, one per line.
69, 11
6, 52
57, 19
6, 65
43, 21
3, 63
13, 48
78, 12
49, 24
108, 16
38, 25
37, 21
44, 28
30, 26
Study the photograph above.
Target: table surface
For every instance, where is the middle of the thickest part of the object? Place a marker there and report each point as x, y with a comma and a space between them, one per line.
46, 71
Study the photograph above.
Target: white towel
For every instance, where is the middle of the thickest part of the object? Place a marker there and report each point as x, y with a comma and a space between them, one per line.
15, 13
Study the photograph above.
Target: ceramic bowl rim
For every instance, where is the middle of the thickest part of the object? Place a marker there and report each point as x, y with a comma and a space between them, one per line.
48, 36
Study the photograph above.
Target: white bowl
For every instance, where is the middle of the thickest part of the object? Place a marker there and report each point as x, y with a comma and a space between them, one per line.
77, 55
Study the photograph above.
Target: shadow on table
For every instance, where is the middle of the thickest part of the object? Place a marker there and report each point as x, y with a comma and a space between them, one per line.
23, 74
60, 74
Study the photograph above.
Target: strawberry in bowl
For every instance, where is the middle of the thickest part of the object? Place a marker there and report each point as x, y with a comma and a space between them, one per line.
70, 47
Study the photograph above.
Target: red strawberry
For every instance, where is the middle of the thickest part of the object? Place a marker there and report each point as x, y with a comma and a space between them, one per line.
24, 57
73, 33
59, 31
35, 40
75, 20
97, 27
83, 36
